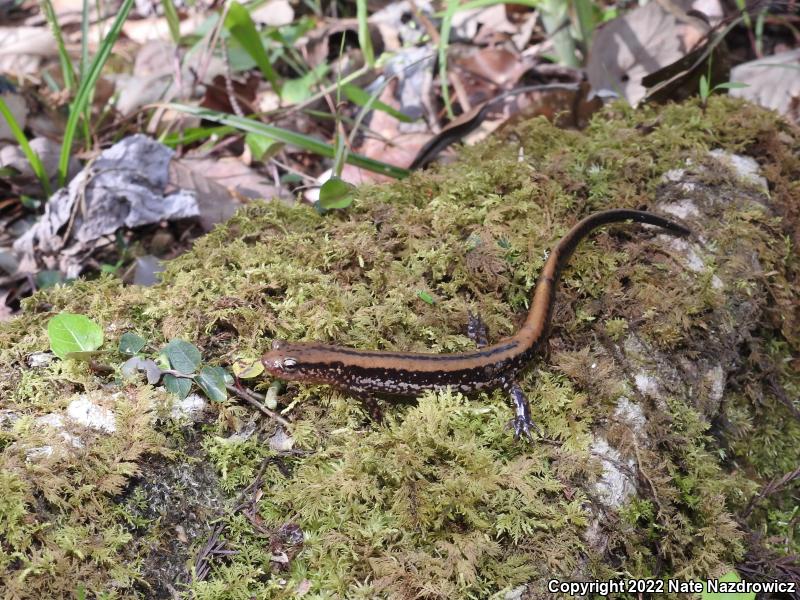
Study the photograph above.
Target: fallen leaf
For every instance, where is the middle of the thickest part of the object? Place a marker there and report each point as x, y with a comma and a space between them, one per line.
145, 365
772, 81
5, 311
125, 186
151, 29
641, 42
273, 13
226, 173
22, 49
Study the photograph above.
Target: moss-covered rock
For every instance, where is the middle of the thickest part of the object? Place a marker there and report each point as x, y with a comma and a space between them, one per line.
666, 398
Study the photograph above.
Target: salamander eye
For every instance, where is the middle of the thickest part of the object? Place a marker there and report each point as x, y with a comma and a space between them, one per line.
289, 364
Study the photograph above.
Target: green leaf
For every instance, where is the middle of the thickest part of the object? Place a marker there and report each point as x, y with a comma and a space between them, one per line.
183, 356
301, 89
179, 386
589, 16
704, 91
731, 577
335, 193
130, 343
194, 134
240, 24
364, 38
173, 20
360, 97
425, 297
262, 146
67, 70
73, 333
731, 85
212, 381
33, 158
306, 142
247, 368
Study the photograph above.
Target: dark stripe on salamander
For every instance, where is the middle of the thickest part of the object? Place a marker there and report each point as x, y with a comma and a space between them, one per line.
389, 354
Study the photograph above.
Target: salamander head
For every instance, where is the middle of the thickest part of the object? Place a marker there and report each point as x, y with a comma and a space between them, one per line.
299, 362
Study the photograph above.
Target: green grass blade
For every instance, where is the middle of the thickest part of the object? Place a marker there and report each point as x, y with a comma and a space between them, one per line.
194, 134
364, 39
588, 16
306, 142
85, 37
173, 21
88, 81
555, 18
30, 153
240, 24
67, 70
360, 97
87, 136
444, 39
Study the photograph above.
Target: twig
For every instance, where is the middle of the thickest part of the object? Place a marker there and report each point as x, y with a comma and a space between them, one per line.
774, 485
255, 400
229, 81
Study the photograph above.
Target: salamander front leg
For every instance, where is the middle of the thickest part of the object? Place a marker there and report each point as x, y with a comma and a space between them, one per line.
476, 330
370, 404
522, 414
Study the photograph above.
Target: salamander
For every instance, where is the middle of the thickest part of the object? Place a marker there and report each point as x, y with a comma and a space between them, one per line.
366, 373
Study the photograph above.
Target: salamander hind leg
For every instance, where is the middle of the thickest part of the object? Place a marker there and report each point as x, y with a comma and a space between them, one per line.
521, 422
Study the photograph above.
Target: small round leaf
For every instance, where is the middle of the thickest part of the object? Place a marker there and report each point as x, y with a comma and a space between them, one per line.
130, 343
183, 356
247, 368
335, 193
73, 333
212, 381
179, 386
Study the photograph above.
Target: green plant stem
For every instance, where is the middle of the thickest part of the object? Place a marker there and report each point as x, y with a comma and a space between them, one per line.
67, 71
444, 39
88, 81
306, 142
364, 39
30, 153
173, 20
556, 22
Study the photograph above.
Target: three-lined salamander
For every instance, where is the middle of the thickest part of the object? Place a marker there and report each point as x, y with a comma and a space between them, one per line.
378, 372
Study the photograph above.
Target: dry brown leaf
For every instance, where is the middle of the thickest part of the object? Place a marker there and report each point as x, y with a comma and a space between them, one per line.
150, 29
274, 13
484, 70
641, 42
125, 186
772, 82
213, 177
392, 141
12, 156
23, 48
5, 311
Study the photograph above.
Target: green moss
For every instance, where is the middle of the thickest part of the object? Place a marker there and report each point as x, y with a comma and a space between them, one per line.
440, 501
